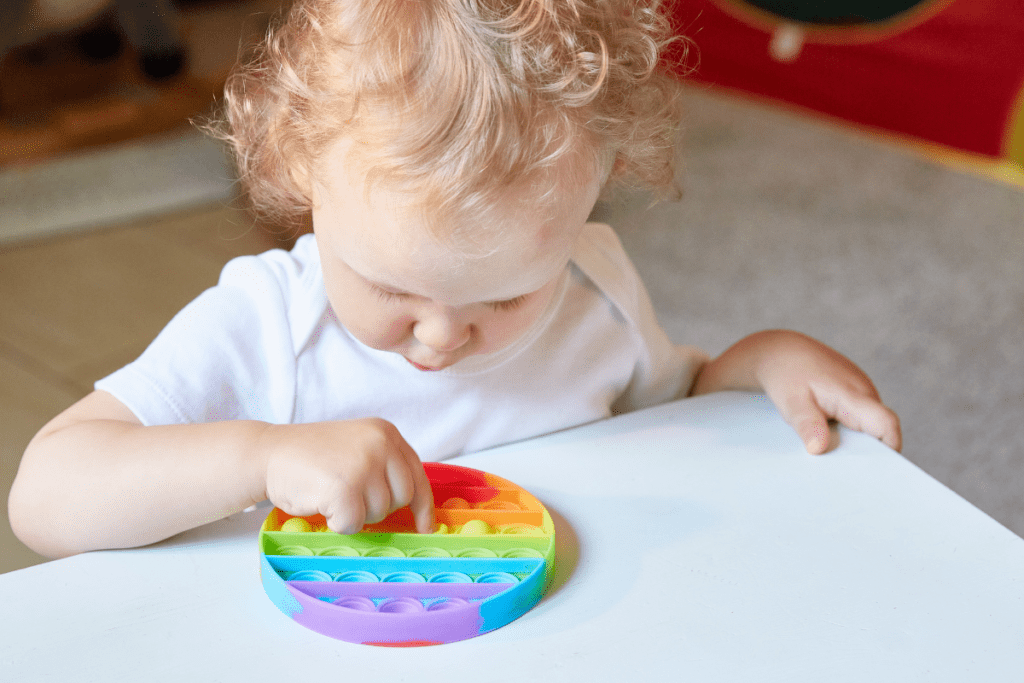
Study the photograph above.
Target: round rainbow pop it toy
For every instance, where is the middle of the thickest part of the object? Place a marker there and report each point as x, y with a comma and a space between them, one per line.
487, 564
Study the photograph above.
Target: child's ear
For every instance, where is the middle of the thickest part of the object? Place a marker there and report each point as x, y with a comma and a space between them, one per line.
303, 185
301, 178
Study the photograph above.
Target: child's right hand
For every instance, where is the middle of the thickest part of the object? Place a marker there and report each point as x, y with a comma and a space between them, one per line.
353, 472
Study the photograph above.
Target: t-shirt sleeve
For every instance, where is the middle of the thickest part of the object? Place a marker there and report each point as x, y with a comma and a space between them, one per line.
228, 355
664, 371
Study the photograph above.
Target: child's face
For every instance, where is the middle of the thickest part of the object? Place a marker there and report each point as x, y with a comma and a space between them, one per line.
396, 288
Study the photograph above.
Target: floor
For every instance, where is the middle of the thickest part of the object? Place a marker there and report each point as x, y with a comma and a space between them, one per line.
75, 309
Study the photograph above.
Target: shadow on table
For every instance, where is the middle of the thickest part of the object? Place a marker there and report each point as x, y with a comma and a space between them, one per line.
602, 543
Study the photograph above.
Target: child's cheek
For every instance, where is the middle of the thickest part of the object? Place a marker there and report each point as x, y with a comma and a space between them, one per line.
384, 332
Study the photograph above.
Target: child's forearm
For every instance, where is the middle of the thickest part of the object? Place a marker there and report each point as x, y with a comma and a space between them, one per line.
111, 484
94, 477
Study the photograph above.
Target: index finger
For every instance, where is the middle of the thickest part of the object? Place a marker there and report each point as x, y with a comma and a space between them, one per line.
422, 503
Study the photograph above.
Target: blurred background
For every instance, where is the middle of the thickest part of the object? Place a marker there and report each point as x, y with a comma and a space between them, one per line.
853, 172
77, 74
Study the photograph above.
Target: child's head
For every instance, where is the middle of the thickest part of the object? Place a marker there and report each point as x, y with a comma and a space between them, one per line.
396, 287
454, 101
450, 151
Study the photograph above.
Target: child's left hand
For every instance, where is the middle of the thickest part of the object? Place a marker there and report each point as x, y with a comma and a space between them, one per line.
809, 383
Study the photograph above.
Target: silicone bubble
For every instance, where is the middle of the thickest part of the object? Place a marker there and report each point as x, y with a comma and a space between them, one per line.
501, 505
309, 575
357, 575
338, 551
476, 527
451, 577
486, 565
403, 605
294, 550
430, 552
497, 577
403, 577
447, 603
297, 524
356, 602
521, 552
476, 552
521, 530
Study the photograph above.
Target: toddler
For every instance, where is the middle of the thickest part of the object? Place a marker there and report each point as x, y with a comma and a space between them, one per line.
452, 297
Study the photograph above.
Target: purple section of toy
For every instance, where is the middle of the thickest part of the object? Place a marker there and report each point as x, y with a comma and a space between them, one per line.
363, 626
422, 591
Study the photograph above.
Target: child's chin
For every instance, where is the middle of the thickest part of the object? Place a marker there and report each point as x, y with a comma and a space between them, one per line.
424, 368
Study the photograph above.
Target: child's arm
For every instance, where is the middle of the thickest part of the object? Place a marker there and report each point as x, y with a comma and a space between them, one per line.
94, 477
809, 383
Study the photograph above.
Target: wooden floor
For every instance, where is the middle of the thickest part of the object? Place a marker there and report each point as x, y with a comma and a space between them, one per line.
75, 309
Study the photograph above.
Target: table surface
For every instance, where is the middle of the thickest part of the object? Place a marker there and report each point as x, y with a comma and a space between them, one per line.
695, 539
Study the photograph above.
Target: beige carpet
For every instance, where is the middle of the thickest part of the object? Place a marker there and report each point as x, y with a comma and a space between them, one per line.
914, 270
124, 182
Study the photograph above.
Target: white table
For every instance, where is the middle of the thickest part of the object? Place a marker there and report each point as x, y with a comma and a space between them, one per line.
696, 541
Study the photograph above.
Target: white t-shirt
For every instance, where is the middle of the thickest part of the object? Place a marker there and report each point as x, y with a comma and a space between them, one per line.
264, 344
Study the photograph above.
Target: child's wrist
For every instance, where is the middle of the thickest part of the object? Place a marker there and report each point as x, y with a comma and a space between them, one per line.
262, 442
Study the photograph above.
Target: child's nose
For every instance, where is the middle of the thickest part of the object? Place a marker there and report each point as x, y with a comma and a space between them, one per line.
442, 331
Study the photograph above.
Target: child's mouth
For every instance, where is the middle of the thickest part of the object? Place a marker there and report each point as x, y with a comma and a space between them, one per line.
424, 368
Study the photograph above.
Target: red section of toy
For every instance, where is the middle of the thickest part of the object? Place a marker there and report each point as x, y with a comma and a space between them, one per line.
458, 489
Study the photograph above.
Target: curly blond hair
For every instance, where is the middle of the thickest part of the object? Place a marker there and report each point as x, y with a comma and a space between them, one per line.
453, 100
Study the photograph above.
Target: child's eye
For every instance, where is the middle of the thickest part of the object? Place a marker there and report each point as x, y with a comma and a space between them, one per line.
385, 295
509, 304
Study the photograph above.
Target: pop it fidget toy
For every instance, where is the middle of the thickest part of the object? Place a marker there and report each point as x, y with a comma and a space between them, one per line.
487, 564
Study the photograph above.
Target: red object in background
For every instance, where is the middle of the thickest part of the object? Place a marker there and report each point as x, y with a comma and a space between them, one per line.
944, 71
